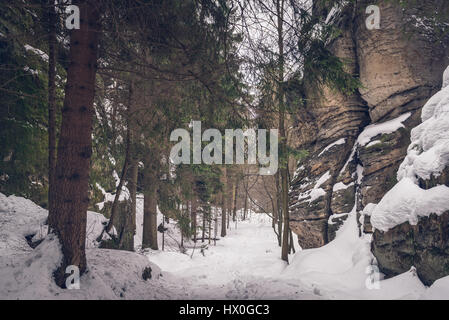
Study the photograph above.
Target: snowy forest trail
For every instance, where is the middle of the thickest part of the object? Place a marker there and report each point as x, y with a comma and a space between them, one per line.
245, 264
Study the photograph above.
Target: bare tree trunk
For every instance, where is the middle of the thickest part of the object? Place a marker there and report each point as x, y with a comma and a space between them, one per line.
284, 196
182, 232
52, 21
189, 214
193, 222
274, 205
292, 244
229, 212
223, 203
70, 198
245, 210
235, 204
279, 208
129, 227
229, 197
283, 137
209, 218
163, 233
204, 227
149, 236
234, 199
223, 217
115, 220
216, 228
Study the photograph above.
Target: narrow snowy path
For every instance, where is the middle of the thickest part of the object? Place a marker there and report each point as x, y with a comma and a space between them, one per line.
244, 265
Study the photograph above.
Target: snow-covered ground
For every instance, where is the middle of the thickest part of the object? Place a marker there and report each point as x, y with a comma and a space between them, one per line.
244, 265
26, 273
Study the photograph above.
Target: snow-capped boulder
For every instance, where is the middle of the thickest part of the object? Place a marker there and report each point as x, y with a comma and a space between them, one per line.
412, 219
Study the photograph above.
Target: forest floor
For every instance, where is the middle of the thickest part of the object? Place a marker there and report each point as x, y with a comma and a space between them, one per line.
245, 264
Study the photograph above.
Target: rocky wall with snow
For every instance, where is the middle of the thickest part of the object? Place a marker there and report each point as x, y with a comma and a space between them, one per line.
411, 222
356, 143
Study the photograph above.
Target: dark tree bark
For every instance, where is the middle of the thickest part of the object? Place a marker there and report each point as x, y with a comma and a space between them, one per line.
182, 229
209, 214
245, 210
283, 137
234, 200
52, 22
114, 221
292, 244
278, 208
229, 213
149, 237
203, 231
215, 228
124, 220
223, 216
128, 231
193, 218
223, 203
68, 211
163, 233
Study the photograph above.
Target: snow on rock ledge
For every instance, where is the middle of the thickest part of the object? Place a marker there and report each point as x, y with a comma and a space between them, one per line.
412, 219
406, 202
427, 157
428, 153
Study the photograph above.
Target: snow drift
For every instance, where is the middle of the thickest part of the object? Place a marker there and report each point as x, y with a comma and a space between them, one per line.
26, 273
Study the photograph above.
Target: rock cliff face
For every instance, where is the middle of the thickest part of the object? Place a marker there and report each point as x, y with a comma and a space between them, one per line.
412, 220
356, 143
330, 131
424, 246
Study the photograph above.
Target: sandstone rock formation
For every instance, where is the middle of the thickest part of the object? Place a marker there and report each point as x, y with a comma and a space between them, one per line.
337, 120
424, 246
356, 143
412, 220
